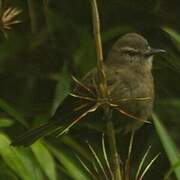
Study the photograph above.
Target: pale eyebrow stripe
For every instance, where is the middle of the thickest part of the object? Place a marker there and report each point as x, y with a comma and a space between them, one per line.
129, 49
125, 49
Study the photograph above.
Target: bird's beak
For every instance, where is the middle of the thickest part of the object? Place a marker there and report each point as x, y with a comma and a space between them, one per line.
153, 51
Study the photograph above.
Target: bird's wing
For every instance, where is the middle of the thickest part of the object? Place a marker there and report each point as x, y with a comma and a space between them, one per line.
72, 109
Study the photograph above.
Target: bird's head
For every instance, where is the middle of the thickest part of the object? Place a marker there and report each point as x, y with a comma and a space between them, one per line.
132, 50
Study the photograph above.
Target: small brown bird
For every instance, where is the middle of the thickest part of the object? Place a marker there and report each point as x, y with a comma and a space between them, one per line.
130, 85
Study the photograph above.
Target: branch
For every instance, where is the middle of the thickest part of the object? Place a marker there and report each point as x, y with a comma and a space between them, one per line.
100, 65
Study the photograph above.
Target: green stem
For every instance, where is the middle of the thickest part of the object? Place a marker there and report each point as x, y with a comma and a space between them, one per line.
113, 147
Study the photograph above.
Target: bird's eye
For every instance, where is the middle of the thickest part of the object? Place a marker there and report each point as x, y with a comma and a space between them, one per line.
131, 53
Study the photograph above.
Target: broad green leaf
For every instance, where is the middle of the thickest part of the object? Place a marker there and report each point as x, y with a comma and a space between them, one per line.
5, 122
43, 155
168, 144
74, 170
6, 172
20, 161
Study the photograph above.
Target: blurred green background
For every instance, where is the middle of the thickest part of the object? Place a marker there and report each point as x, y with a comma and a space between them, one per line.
54, 40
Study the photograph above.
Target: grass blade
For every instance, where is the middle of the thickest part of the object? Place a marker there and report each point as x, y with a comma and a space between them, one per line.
98, 161
127, 164
20, 161
148, 166
177, 165
73, 170
86, 168
168, 144
62, 88
42, 155
141, 163
106, 158
12, 112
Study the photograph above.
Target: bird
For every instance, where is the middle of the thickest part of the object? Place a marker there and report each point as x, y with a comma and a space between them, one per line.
128, 73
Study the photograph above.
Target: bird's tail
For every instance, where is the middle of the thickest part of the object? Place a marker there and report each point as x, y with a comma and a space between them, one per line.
33, 135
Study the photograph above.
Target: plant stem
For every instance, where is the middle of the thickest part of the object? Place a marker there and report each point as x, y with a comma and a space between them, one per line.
100, 64
104, 91
49, 24
33, 16
112, 144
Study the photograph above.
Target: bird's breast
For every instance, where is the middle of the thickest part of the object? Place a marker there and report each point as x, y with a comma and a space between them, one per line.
133, 93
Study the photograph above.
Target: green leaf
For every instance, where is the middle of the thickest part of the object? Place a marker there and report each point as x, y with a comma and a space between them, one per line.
11, 111
19, 160
177, 165
5, 122
175, 36
6, 173
45, 159
62, 88
74, 145
168, 144
74, 170
85, 57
